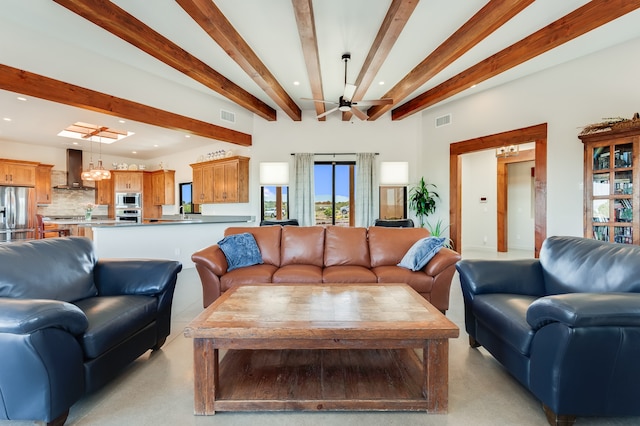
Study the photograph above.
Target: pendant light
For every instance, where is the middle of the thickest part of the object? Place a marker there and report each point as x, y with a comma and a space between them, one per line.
89, 174
101, 172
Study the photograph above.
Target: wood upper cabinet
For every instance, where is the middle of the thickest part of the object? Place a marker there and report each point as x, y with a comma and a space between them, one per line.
611, 186
17, 173
221, 181
163, 187
125, 181
43, 183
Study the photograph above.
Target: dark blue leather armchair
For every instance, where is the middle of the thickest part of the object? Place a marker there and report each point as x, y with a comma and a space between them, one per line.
70, 322
567, 326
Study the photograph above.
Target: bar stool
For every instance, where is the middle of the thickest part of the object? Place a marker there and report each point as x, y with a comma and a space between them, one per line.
62, 232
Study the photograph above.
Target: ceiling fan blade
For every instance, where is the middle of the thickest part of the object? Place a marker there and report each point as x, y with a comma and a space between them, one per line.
385, 101
349, 90
320, 100
361, 115
327, 112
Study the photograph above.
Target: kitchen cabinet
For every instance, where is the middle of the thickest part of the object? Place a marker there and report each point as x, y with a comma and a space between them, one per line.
611, 186
163, 187
221, 181
17, 173
126, 181
43, 183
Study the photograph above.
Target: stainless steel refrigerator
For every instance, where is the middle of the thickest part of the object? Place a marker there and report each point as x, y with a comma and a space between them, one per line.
14, 214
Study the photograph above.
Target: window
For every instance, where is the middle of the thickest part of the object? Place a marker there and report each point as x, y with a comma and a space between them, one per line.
334, 189
275, 202
186, 198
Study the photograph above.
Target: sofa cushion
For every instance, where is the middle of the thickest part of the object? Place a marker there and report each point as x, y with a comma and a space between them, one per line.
506, 316
113, 319
54, 268
419, 281
571, 265
348, 274
346, 246
298, 274
387, 246
302, 245
250, 275
421, 253
267, 238
240, 250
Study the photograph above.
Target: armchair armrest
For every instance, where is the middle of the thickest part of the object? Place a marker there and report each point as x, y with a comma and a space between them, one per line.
25, 316
586, 310
441, 261
135, 276
522, 276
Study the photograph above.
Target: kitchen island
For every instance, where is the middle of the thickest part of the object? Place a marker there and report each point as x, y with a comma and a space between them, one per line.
169, 237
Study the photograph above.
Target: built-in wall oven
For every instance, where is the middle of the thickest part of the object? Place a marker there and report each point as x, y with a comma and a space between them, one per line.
129, 215
128, 200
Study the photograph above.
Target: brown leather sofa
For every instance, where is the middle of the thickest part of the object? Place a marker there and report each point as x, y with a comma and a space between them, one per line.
332, 254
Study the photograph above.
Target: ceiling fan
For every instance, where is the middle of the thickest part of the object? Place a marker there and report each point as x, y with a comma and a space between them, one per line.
345, 104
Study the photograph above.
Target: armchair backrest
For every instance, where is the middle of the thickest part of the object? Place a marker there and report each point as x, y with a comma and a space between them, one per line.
53, 268
579, 265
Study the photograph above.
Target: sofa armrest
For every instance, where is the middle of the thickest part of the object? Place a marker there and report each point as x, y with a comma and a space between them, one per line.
521, 276
586, 310
211, 258
441, 261
25, 316
148, 277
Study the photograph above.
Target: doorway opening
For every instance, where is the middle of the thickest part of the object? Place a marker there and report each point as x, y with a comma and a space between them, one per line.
536, 134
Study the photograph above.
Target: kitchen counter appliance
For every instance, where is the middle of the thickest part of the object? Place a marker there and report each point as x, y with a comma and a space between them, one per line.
128, 200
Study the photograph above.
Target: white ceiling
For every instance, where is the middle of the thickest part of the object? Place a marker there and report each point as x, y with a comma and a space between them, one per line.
42, 37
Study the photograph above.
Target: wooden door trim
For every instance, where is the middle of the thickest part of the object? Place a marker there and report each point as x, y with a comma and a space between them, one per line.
538, 134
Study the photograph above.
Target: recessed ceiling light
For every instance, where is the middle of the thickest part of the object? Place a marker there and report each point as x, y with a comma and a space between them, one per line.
296, 83
134, 152
187, 136
155, 146
381, 83
6, 119
21, 98
473, 86
121, 121
76, 143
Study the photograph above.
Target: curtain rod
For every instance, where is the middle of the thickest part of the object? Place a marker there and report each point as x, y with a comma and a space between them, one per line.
336, 153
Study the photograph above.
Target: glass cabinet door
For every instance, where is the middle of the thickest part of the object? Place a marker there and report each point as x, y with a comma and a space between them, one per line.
611, 205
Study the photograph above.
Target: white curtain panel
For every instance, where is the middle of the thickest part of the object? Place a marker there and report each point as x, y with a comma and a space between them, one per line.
366, 176
304, 189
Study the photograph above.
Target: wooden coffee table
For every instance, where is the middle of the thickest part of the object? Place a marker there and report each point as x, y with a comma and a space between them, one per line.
321, 347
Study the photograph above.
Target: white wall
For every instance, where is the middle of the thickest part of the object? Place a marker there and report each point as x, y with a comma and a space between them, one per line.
567, 97
479, 218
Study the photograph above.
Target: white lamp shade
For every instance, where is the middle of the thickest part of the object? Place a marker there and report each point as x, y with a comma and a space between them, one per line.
394, 173
274, 174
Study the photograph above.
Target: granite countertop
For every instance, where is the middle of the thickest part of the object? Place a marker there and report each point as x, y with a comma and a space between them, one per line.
164, 220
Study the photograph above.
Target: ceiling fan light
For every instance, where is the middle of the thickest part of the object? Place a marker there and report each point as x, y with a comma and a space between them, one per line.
344, 108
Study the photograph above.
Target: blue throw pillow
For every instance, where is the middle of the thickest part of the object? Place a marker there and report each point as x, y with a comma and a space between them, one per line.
240, 250
421, 253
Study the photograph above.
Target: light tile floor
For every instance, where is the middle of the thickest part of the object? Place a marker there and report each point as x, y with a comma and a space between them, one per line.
157, 389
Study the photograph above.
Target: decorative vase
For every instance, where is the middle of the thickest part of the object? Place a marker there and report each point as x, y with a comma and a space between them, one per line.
87, 215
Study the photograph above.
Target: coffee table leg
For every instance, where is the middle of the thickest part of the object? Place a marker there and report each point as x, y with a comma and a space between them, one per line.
205, 376
436, 375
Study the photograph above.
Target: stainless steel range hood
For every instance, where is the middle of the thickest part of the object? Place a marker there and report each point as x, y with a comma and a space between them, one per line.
74, 172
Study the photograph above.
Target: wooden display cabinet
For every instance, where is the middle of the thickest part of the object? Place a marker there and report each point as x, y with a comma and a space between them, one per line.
163, 186
611, 179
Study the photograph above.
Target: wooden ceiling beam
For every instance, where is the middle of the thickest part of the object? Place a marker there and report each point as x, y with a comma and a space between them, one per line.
397, 16
303, 10
573, 25
30, 84
120, 23
488, 19
214, 23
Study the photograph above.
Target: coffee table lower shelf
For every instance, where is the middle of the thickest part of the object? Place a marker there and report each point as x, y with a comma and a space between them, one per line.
319, 380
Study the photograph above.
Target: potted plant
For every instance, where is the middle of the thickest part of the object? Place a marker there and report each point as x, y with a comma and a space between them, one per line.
423, 201
437, 230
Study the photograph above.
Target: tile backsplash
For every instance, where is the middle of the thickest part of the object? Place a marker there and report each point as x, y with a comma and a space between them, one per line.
69, 202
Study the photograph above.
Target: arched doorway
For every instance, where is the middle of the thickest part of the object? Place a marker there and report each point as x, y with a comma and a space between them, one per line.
537, 134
